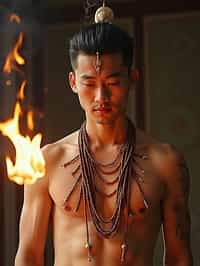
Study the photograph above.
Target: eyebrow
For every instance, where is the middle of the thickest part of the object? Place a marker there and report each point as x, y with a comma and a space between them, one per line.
112, 75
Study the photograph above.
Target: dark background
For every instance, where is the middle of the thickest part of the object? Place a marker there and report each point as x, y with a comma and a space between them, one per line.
165, 101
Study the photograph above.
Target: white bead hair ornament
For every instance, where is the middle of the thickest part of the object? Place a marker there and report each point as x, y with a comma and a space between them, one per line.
104, 14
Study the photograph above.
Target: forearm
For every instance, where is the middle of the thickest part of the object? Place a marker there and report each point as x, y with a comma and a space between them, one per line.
28, 260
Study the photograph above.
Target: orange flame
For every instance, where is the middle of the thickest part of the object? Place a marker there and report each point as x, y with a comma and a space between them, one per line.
30, 164
30, 121
14, 56
20, 94
14, 18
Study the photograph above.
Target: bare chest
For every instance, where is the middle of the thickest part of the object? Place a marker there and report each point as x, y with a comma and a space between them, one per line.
146, 190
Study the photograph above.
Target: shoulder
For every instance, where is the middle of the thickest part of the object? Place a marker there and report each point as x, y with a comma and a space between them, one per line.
172, 169
165, 158
56, 150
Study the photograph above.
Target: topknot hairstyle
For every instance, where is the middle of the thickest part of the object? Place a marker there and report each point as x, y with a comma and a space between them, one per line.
105, 38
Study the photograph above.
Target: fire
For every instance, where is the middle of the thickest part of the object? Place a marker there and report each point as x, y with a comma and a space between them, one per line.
30, 164
30, 121
14, 56
20, 94
14, 18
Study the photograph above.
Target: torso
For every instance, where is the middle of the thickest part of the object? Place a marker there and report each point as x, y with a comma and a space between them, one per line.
69, 228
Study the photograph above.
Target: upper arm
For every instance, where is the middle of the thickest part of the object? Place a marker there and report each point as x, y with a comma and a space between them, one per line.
176, 216
34, 219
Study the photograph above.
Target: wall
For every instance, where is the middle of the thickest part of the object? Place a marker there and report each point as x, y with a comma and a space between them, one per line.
172, 64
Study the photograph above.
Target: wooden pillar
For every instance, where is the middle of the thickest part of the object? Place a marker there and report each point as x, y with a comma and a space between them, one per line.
2, 218
139, 62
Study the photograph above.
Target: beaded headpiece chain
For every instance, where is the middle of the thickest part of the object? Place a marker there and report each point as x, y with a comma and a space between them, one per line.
103, 14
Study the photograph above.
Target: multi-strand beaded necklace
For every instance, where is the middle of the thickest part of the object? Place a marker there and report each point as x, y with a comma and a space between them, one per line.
124, 167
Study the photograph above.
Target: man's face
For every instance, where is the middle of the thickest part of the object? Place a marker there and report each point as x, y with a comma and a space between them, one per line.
102, 94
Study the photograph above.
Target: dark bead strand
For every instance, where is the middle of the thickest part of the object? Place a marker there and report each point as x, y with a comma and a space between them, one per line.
91, 169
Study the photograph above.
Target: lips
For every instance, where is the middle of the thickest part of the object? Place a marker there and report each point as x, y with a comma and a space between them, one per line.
102, 109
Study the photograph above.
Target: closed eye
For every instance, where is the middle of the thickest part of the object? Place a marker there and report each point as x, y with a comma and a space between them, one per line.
113, 83
88, 84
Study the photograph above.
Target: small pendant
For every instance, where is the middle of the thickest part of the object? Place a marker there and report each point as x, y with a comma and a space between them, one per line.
144, 157
142, 171
140, 179
89, 247
130, 213
123, 252
146, 204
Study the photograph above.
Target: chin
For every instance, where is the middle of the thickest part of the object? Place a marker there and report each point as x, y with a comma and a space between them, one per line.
105, 120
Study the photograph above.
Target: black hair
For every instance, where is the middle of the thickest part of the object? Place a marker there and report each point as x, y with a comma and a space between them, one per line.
105, 38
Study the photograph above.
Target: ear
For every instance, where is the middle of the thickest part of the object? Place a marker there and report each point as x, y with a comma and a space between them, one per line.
72, 81
133, 77
134, 74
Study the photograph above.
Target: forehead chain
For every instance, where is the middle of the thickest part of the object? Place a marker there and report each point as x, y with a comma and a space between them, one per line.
98, 62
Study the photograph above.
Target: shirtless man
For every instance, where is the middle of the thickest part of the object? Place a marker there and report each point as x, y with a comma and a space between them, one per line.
101, 57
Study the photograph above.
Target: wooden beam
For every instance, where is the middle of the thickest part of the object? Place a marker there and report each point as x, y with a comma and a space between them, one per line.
139, 8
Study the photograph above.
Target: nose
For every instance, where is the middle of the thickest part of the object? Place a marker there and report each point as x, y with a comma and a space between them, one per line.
102, 93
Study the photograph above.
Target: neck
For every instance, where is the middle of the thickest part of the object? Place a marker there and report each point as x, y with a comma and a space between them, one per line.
104, 135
